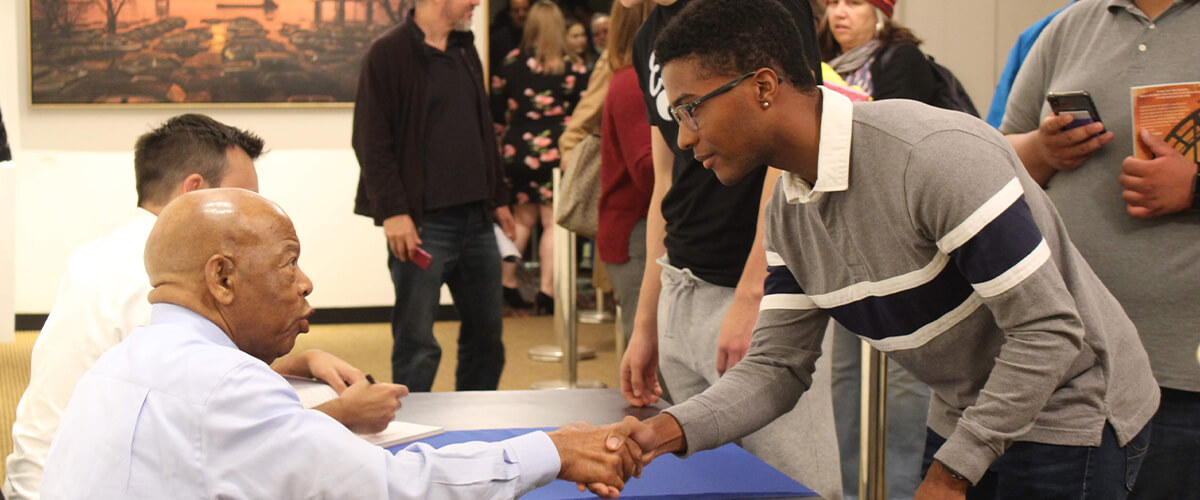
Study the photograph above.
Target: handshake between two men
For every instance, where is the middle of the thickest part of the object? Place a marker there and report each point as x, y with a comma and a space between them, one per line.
602, 459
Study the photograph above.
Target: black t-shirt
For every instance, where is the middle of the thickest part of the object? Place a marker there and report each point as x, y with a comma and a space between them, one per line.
710, 226
454, 162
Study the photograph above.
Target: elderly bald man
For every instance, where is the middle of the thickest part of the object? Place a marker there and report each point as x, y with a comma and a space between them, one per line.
102, 297
188, 405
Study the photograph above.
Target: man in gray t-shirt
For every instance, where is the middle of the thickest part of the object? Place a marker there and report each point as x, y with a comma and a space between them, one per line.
1132, 219
919, 230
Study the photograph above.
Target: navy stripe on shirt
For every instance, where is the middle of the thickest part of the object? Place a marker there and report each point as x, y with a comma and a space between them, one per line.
1000, 245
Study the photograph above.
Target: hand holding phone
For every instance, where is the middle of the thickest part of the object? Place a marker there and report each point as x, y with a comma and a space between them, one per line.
1078, 105
420, 258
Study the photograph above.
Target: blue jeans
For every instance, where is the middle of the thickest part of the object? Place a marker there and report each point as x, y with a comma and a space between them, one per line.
1035, 471
907, 408
1172, 467
465, 258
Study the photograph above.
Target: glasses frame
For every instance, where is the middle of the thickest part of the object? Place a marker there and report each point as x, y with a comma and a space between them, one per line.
684, 113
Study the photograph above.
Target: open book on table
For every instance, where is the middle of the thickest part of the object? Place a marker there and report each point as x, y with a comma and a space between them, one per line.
314, 392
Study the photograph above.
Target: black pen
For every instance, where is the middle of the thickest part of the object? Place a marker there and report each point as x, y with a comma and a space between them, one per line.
370, 378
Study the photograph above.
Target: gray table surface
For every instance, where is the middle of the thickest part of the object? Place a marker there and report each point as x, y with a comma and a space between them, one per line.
472, 410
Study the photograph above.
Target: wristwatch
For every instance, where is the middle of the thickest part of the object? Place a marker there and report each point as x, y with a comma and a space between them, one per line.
954, 474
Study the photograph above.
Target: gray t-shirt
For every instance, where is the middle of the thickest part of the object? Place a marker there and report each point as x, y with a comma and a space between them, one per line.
1152, 266
925, 236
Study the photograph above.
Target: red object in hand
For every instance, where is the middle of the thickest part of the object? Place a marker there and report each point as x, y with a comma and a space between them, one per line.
421, 258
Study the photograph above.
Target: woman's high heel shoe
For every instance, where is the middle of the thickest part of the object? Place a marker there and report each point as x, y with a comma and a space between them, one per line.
513, 298
545, 304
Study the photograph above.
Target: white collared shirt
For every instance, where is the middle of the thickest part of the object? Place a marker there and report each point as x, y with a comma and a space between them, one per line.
833, 156
101, 299
178, 411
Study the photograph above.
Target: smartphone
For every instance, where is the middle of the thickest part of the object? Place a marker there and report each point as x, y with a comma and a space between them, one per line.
1078, 104
421, 258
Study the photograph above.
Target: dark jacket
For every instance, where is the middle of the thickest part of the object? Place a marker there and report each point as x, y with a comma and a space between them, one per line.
900, 71
389, 124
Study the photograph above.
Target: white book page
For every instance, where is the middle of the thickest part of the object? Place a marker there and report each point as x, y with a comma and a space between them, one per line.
313, 393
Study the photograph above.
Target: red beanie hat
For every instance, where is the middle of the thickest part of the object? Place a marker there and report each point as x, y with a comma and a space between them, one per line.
887, 6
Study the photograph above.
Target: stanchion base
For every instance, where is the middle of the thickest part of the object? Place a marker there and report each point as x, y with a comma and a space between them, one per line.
595, 317
562, 384
554, 354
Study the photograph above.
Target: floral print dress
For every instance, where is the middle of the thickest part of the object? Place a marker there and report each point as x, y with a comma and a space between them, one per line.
535, 106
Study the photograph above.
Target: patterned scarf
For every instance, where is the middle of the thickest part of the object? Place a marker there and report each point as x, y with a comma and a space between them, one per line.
850, 61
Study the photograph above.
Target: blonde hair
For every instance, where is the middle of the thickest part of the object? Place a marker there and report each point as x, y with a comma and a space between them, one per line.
545, 36
623, 24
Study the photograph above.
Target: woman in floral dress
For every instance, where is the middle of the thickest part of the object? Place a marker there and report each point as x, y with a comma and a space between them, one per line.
534, 91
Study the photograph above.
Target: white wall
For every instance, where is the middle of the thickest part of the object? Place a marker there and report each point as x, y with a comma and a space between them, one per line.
74, 179
6, 251
972, 37
74, 183
8, 103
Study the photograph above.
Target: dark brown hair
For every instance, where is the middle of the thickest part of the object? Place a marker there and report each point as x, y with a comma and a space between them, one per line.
623, 26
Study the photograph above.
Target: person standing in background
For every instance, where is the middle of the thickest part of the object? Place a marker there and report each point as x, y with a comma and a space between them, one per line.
626, 166
869, 50
600, 21
431, 176
578, 44
507, 29
533, 92
1134, 219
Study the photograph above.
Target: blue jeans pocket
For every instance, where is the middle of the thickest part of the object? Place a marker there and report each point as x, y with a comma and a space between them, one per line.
1135, 452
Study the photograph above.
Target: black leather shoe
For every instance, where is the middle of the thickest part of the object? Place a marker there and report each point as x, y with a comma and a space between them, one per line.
545, 304
513, 298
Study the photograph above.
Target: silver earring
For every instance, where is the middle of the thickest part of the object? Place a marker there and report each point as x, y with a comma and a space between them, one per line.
766, 104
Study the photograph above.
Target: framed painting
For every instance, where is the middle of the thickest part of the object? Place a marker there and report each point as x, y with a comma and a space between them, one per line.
235, 52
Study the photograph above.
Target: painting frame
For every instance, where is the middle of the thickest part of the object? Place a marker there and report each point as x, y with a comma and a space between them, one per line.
89, 56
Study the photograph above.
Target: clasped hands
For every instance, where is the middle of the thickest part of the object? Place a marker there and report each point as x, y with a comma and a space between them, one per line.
601, 459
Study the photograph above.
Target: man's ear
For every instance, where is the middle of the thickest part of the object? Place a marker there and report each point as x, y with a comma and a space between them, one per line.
219, 276
766, 85
193, 182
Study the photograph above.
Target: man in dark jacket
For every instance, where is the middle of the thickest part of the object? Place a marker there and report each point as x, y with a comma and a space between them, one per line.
431, 176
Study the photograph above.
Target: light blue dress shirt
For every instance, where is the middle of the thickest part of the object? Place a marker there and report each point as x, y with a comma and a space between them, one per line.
177, 411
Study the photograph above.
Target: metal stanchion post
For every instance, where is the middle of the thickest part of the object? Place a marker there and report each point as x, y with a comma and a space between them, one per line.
565, 313
873, 434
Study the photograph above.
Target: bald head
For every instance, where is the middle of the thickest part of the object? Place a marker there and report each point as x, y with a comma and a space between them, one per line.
231, 256
201, 224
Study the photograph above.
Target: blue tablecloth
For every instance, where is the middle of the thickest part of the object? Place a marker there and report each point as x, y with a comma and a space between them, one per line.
726, 472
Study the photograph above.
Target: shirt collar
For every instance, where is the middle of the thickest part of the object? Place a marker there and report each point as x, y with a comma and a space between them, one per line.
456, 38
171, 314
1132, 8
833, 155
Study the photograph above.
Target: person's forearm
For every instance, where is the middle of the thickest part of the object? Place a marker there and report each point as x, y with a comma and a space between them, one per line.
668, 435
1042, 338
1026, 147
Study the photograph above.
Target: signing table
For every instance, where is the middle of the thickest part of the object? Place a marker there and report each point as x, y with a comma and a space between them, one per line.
726, 472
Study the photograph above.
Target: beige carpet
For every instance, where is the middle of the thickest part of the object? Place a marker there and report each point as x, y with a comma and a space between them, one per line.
369, 347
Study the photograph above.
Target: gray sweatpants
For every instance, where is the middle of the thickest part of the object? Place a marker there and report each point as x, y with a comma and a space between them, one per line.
803, 442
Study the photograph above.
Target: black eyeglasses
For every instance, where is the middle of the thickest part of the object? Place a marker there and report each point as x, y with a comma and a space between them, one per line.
683, 113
